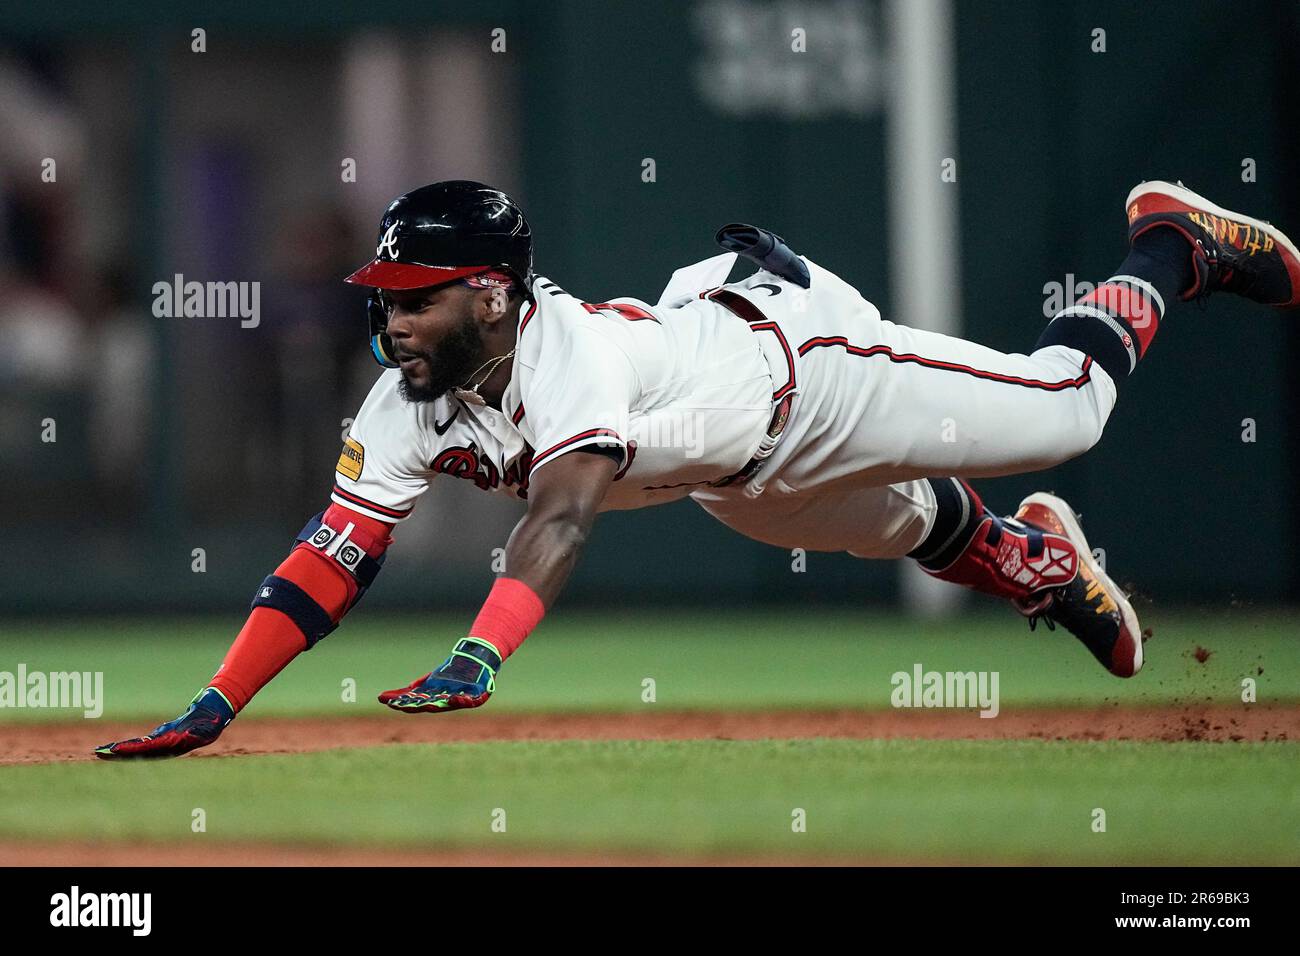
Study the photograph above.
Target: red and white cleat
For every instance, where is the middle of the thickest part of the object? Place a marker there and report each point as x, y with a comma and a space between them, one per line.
1090, 606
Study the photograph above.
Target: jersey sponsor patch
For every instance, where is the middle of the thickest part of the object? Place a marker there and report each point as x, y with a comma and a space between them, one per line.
351, 459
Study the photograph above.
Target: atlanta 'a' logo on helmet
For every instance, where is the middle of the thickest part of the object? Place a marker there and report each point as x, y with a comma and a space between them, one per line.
389, 242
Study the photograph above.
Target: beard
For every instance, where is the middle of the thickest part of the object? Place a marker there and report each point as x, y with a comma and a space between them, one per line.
450, 363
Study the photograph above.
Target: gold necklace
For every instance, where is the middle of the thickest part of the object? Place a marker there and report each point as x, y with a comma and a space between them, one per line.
469, 393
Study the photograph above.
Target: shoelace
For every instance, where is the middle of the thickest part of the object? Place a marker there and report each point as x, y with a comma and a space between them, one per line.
1039, 610
1229, 279
1041, 616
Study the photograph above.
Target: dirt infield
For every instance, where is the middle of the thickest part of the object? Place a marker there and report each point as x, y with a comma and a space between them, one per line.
50, 743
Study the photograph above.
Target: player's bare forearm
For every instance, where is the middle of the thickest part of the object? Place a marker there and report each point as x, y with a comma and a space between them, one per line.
543, 552
564, 498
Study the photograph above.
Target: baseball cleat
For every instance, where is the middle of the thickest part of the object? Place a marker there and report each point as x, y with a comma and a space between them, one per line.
1090, 606
1230, 252
465, 679
208, 715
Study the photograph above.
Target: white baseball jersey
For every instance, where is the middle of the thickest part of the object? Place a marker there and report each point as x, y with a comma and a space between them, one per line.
684, 394
685, 391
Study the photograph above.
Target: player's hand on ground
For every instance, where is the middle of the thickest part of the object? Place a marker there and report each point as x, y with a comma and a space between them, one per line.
465, 679
200, 725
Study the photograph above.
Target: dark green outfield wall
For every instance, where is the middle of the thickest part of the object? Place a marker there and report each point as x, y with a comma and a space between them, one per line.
1051, 137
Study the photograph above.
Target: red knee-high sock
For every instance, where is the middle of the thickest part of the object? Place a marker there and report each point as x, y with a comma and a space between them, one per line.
1116, 323
1135, 304
269, 640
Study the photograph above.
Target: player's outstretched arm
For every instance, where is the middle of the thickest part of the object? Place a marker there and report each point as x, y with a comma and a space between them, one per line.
563, 500
335, 558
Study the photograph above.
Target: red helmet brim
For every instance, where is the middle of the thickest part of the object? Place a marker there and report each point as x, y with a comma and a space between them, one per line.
407, 275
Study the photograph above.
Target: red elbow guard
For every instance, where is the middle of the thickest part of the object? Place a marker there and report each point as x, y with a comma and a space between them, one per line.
337, 556
352, 542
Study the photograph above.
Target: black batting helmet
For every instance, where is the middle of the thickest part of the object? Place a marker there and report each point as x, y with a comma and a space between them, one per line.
441, 233
447, 231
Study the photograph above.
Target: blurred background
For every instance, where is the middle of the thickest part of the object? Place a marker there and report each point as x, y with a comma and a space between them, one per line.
959, 162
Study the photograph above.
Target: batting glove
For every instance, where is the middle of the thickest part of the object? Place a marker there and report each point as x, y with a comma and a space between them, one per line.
202, 723
466, 679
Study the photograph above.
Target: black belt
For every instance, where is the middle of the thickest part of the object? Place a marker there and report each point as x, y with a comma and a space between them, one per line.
783, 398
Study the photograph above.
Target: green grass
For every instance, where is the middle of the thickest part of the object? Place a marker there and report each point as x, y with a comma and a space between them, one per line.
946, 801
731, 660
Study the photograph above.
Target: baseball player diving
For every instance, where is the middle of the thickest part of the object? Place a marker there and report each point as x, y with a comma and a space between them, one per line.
814, 423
